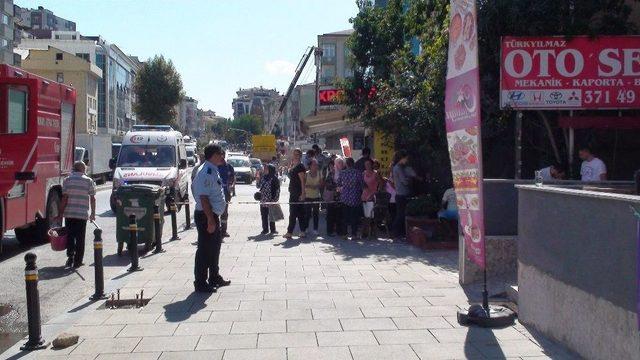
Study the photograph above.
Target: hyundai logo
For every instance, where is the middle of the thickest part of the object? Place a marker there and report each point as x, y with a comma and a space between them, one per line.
556, 95
516, 95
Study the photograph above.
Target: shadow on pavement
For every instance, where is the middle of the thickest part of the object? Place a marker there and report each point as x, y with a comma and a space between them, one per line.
107, 213
54, 272
260, 237
182, 310
115, 260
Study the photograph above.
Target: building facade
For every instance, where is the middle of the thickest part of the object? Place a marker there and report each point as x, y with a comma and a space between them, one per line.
6, 32
41, 22
67, 68
115, 88
188, 120
253, 101
328, 121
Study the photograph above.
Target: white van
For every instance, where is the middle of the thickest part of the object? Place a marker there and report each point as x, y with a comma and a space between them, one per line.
152, 155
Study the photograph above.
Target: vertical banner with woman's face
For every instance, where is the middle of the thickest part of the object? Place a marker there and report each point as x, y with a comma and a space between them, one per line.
462, 108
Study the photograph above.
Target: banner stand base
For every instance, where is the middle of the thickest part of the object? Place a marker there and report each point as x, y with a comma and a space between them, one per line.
491, 317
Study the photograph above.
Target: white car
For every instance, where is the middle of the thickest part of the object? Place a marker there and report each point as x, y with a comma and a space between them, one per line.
242, 167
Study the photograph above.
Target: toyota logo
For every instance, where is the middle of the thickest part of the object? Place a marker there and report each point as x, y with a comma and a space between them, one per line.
556, 95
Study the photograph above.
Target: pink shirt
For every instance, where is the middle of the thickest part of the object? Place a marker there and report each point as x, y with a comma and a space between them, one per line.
371, 185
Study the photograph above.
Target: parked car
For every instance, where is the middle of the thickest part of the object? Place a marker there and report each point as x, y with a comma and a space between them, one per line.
192, 157
242, 167
256, 164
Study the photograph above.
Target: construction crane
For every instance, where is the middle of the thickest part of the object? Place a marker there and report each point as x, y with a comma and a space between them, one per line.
301, 65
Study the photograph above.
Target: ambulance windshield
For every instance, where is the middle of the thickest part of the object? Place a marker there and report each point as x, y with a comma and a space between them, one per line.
147, 156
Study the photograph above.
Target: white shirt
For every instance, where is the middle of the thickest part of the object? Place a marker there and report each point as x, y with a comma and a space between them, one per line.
546, 174
591, 170
449, 197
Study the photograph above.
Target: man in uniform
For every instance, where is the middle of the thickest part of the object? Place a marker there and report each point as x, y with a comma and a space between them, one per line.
210, 204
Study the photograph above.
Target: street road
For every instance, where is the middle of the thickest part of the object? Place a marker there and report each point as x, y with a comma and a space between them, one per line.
60, 288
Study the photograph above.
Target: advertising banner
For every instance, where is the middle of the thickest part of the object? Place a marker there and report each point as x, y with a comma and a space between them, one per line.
553, 73
383, 151
462, 108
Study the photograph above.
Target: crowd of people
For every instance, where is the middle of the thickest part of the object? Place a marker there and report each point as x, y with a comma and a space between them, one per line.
356, 197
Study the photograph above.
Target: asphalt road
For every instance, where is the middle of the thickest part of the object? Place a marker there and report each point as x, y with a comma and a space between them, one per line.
59, 288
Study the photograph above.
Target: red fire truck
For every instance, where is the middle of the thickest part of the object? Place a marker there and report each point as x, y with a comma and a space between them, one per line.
36, 150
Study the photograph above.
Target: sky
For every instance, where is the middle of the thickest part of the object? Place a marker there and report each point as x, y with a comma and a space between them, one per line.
217, 46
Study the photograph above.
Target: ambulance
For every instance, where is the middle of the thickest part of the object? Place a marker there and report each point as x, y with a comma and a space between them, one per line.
152, 154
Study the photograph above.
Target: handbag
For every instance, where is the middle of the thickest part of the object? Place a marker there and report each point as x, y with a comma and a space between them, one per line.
275, 213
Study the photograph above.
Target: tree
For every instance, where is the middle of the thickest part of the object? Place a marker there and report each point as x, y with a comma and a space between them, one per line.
402, 93
249, 123
158, 89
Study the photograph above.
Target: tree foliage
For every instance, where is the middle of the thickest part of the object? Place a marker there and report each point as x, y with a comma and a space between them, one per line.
401, 93
158, 89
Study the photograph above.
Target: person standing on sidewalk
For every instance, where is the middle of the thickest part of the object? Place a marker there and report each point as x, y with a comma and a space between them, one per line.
313, 183
210, 204
371, 186
366, 155
227, 176
403, 175
296, 195
350, 184
269, 187
330, 195
78, 196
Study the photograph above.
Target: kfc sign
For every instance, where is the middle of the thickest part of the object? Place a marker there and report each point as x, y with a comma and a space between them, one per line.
329, 97
581, 73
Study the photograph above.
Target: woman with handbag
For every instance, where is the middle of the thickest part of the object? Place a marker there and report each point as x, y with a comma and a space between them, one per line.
269, 187
313, 183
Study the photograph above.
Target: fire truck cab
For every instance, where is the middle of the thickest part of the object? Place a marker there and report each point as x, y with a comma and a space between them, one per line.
36, 151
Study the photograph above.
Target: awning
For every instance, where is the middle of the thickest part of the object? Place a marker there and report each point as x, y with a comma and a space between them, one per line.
599, 122
326, 121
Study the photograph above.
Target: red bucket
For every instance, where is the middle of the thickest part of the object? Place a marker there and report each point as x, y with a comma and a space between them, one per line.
58, 238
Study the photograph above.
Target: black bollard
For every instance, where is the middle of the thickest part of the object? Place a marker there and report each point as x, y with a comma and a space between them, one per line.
187, 216
35, 341
133, 244
174, 223
158, 230
98, 266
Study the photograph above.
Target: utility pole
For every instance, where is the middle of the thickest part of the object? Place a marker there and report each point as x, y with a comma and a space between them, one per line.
318, 57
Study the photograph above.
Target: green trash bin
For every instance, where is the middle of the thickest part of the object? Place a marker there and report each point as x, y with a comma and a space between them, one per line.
139, 200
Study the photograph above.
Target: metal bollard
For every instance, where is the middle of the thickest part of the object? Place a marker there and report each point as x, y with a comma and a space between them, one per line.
187, 216
98, 266
158, 229
35, 341
174, 223
133, 244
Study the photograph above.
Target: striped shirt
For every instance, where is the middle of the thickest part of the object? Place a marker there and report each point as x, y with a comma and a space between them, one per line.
78, 188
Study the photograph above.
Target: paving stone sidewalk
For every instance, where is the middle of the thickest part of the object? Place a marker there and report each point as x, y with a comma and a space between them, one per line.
311, 299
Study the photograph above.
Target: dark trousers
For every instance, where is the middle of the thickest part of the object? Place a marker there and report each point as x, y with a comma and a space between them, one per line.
76, 230
296, 212
313, 211
335, 223
351, 216
208, 251
398, 224
266, 224
225, 215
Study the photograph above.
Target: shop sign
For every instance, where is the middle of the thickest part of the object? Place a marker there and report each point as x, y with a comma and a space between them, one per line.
554, 73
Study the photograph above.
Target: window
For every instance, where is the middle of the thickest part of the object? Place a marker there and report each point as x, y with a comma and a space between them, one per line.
328, 53
3, 43
17, 112
60, 77
73, 37
84, 56
328, 74
5, 19
57, 37
58, 55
